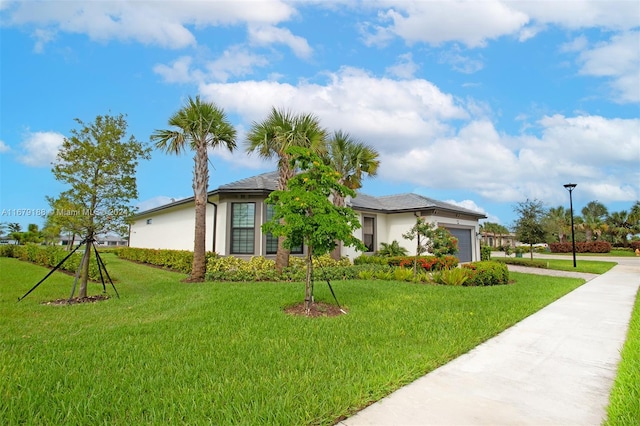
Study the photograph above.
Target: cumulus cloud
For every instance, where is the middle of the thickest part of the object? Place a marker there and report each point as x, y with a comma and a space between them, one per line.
157, 201
404, 67
163, 23
262, 35
469, 22
39, 149
618, 59
4, 147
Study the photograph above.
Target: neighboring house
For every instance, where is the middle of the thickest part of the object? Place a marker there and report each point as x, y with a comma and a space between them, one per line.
498, 240
237, 210
101, 240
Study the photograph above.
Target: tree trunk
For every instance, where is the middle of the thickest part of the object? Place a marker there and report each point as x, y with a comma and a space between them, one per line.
200, 182
84, 271
308, 290
285, 173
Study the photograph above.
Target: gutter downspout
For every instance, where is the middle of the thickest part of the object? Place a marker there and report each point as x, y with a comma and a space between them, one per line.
215, 221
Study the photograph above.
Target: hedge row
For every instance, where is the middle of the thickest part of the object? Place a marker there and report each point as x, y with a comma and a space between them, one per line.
176, 260
581, 247
50, 256
425, 263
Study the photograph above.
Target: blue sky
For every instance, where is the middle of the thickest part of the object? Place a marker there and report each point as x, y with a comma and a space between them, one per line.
480, 103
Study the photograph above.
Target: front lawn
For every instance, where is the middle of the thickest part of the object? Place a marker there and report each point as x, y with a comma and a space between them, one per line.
225, 353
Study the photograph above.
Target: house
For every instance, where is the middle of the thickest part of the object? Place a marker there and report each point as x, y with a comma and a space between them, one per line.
237, 210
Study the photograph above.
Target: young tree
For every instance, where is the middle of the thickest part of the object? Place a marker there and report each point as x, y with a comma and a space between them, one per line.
430, 239
15, 232
529, 227
303, 213
99, 166
198, 126
273, 137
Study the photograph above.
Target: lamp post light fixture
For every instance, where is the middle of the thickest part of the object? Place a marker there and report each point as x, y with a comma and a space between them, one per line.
571, 187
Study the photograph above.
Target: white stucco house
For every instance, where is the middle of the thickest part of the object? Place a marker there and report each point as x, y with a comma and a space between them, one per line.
237, 210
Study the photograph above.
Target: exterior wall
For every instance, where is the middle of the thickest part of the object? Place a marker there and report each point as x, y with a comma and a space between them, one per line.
473, 225
171, 228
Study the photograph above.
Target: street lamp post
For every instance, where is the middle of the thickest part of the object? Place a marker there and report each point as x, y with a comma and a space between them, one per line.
570, 187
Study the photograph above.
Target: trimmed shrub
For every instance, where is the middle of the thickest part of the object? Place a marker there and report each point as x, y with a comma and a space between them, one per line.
176, 260
581, 247
427, 263
535, 263
487, 273
485, 253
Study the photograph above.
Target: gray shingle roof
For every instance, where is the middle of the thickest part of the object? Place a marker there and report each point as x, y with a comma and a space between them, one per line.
267, 182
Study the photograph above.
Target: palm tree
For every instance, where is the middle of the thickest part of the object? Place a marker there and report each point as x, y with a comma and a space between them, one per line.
272, 137
619, 226
350, 158
197, 126
558, 222
593, 215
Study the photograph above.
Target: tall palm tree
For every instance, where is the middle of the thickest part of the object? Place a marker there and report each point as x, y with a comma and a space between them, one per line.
593, 215
197, 126
272, 137
619, 226
351, 158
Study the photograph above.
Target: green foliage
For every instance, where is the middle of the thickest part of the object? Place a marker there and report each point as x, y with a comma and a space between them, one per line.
50, 256
99, 166
303, 213
392, 249
454, 276
365, 259
485, 253
176, 260
487, 273
426, 263
521, 262
402, 274
529, 227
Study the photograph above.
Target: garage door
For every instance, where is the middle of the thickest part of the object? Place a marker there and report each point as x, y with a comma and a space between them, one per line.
464, 243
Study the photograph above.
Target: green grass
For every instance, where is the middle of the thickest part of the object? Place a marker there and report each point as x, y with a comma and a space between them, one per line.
588, 266
624, 401
225, 353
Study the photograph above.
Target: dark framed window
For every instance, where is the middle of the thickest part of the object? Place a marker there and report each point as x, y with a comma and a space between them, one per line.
272, 240
243, 229
369, 233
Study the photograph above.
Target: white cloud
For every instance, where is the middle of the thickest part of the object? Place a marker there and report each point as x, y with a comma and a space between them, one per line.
163, 23
469, 22
262, 35
404, 67
459, 62
467, 204
4, 147
178, 72
235, 62
39, 149
619, 59
390, 111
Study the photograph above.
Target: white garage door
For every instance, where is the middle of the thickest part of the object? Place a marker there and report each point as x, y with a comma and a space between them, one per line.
464, 243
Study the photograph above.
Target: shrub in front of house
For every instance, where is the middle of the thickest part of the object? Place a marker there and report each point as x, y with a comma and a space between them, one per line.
454, 276
487, 273
427, 263
176, 260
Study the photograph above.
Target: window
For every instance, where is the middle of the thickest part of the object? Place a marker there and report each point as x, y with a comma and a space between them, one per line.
272, 240
243, 228
368, 233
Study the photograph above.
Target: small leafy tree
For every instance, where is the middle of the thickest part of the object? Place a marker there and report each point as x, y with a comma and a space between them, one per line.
99, 166
422, 229
430, 238
529, 227
304, 214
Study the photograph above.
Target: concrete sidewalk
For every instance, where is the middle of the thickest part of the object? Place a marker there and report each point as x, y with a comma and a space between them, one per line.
555, 367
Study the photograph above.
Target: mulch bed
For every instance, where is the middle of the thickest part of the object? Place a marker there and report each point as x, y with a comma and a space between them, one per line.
318, 309
77, 300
